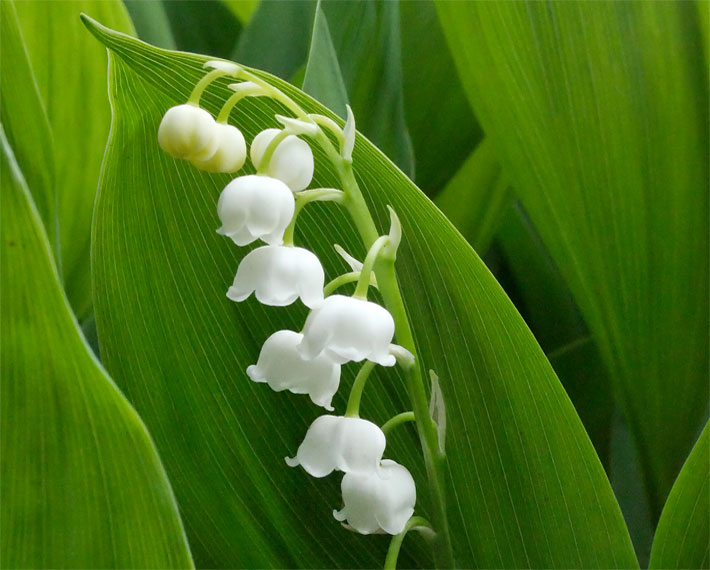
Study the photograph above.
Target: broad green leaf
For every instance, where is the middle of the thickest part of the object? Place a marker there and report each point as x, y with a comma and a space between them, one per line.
547, 306
151, 22
367, 40
599, 115
71, 77
242, 9
323, 79
277, 37
203, 26
525, 488
25, 120
82, 485
681, 539
476, 198
442, 127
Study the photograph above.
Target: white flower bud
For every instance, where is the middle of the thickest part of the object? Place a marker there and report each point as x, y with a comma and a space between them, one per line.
255, 207
337, 442
187, 131
381, 500
282, 368
278, 275
231, 151
292, 161
348, 329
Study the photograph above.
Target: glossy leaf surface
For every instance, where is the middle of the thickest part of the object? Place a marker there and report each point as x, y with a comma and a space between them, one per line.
71, 78
599, 114
516, 449
82, 485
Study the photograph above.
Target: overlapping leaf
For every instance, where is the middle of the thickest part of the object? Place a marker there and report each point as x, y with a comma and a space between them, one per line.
71, 79
681, 539
82, 485
599, 114
525, 486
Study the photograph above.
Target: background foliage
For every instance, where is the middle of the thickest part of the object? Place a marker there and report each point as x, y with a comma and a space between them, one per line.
568, 144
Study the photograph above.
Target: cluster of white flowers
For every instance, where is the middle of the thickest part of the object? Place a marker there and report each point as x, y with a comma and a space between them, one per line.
378, 495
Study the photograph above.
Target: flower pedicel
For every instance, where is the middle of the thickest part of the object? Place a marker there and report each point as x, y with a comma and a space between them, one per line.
379, 495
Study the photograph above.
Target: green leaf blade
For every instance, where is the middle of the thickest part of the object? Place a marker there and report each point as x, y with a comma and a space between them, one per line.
71, 77
599, 113
515, 446
681, 540
83, 486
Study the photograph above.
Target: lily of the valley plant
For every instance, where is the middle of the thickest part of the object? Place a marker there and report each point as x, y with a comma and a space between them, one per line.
379, 495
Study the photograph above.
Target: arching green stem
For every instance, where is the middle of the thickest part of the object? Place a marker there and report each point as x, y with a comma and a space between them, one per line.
303, 198
202, 85
353, 408
367, 266
386, 277
270, 148
397, 420
418, 523
223, 116
340, 280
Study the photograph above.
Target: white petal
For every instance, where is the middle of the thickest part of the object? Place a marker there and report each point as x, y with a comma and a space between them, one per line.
346, 444
187, 131
291, 162
279, 275
349, 329
397, 497
360, 445
383, 499
283, 368
231, 151
315, 454
253, 207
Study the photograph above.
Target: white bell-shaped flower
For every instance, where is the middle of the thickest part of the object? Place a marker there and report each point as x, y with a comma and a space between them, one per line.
282, 368
340, 443
292, 161
278, 275
380, 500
255, 207
188, 131
231, 151
349, 329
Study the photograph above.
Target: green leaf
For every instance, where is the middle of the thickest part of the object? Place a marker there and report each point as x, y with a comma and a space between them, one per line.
71, 77
203, 26
476, 198
681, 539
151, 22
323, 79
525, 486
366, 38
82, 483
277, 37
440, 122
599, 113
242, 9
24, 119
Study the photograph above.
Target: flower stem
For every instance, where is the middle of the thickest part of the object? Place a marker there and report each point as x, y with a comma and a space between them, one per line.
392, 297
223, 116
202, 84
367, 266
270, 149
331, 286
353, 408
396, 543
397, 420
303, 198
386, 277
